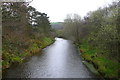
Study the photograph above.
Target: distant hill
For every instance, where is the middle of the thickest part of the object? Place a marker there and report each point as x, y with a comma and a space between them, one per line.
57, 25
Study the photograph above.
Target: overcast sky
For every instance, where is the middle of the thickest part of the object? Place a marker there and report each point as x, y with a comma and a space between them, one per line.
58, 9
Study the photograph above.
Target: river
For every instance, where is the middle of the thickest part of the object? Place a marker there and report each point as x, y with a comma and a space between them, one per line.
59, 60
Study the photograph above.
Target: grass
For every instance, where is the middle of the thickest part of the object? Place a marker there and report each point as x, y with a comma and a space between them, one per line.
12, 55
106, 67
46, 41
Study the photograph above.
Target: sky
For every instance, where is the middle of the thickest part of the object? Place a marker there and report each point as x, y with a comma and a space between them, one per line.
58, 9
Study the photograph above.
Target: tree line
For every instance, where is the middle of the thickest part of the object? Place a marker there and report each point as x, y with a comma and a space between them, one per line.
99, 28
24, 32
98, 33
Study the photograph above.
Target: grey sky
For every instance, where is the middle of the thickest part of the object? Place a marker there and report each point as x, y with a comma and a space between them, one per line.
58, 9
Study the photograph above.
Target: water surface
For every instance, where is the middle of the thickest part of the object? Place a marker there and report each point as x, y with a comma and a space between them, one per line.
59, 60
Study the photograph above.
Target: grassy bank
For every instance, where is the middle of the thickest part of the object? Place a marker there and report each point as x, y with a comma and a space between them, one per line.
12, 53
107, 67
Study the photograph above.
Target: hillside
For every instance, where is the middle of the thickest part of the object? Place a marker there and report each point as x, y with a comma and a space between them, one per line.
57, 25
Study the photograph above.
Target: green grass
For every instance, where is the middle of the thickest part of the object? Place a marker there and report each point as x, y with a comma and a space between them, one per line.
11, 54
46, 41
106, 67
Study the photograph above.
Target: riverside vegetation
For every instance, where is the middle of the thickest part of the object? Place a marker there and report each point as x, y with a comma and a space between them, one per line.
25, 32
97, 36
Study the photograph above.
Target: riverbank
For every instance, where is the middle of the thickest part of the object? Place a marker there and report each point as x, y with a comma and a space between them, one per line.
107, 68
34, 47
59, 60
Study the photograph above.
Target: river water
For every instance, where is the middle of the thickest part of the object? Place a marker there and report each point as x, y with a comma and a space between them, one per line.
59, 60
